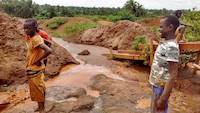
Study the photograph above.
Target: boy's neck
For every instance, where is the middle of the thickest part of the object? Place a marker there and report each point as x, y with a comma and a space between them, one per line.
170, 36
31, 36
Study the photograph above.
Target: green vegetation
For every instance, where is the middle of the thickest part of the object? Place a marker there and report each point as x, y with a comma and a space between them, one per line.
70, 28
135, 8
141, 39
28, 9
138, 40
78, 27
55, 22
121, 15
155, 29
20, 8
55, 34
192, 32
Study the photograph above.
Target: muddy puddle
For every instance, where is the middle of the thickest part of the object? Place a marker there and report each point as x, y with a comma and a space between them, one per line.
95, 57
90, 65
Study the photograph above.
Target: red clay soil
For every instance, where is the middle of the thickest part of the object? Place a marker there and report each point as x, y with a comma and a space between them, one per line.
118, 36
13, 53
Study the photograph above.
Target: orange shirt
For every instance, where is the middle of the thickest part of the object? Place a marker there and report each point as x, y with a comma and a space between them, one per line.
34, 53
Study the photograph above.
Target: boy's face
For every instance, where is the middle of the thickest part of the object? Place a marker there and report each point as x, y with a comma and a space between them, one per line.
29, 30
164, 28
179, 14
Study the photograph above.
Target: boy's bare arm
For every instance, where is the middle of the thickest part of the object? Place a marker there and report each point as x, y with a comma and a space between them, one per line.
173, 73
47, 52
182, 30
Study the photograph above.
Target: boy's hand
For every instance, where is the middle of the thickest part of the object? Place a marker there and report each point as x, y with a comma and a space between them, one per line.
160, 104
182, 28
38, 63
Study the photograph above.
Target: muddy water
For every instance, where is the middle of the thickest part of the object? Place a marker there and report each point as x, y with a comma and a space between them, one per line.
95, 57
91, 65
79, 76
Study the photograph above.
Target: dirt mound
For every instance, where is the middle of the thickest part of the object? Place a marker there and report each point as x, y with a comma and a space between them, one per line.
13, 52
119, 35
12, 49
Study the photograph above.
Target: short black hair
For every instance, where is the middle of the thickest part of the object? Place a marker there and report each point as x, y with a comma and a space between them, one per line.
177, 12
172, 20
31, 23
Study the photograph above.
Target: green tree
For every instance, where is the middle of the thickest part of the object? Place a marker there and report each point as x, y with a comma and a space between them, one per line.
21, 8
135, 8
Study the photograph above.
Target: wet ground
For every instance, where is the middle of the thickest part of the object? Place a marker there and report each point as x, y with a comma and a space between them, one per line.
116, 87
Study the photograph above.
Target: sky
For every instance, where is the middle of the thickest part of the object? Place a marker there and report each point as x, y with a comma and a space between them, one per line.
149, 4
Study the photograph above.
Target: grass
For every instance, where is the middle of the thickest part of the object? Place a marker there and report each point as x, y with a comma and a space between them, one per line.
55, 22
67, 27
113, 18
55, 34
79, 27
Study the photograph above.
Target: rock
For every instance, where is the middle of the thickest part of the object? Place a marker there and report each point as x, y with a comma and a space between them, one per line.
59, 93
58, 59
120, 96
84, 52
63, 107
67, 100
78, 92
83, 105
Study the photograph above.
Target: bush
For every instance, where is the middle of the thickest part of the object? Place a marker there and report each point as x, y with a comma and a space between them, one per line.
113, 18
55, 23
141, 39
78, 27
126, 15
192, 18
122, 15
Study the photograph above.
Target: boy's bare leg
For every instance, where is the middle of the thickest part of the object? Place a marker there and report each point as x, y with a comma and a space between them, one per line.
41, 107
153, 104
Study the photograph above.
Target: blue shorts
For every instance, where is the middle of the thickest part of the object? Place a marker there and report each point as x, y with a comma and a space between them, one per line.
157, 92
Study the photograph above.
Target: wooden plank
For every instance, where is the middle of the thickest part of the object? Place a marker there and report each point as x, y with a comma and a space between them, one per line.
126, 56
189, 47
129, 51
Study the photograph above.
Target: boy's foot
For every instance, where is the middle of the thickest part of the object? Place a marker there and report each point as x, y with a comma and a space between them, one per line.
36, 110
40, 111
